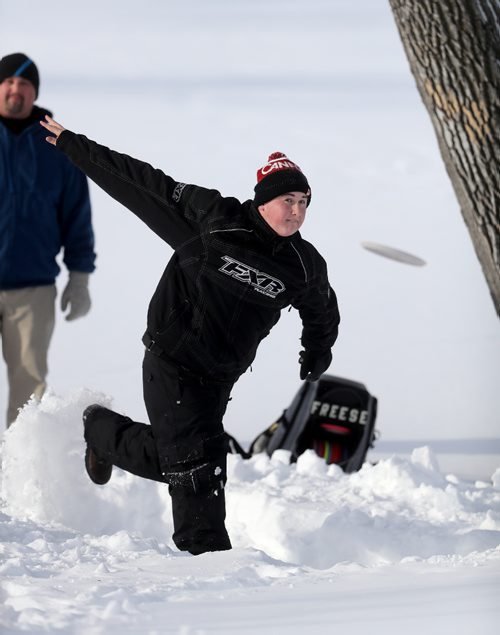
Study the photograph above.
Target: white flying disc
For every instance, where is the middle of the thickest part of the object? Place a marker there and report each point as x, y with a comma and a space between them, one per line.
393, 254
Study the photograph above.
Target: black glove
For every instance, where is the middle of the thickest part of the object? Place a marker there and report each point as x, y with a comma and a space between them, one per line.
314, 363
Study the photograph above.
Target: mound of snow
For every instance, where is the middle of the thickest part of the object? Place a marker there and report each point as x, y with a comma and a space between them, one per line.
305, 513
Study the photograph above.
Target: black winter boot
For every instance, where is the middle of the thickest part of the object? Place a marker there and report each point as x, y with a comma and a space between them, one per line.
98, 470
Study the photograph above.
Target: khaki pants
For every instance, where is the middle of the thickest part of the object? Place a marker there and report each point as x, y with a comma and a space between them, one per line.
27, 319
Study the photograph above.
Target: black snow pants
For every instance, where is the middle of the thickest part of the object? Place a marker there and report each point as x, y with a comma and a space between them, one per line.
184, 446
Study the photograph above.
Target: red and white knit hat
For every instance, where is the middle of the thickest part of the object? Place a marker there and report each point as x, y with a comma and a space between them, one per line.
279, 176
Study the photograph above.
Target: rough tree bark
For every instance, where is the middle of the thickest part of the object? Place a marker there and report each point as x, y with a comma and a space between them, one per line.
453, 47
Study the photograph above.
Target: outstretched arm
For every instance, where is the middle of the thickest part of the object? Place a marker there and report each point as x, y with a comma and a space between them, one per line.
171, 209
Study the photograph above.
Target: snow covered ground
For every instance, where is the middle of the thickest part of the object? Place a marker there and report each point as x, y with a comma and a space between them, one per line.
206, 90
397, 546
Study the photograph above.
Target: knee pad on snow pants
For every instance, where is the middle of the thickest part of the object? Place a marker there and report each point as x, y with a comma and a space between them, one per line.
197, 464
204, 478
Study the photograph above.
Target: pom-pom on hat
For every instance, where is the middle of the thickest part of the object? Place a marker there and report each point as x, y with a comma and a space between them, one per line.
279, 176
19, 65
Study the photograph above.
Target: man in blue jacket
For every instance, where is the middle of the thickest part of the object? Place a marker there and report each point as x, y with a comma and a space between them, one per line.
44, 207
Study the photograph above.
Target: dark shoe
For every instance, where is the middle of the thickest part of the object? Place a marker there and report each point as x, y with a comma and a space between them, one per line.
99, 471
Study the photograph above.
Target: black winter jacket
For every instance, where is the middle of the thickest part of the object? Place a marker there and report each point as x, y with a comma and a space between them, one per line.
230, 275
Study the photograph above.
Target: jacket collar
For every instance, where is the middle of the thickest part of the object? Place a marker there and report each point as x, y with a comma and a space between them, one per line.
17, 126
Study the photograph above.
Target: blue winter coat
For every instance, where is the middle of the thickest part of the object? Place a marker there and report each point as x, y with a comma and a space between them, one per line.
44, 206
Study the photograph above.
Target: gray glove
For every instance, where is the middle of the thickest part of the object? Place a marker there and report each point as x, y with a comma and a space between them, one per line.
76, 295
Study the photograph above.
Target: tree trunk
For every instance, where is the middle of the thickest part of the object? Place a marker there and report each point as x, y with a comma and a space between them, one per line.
453, 47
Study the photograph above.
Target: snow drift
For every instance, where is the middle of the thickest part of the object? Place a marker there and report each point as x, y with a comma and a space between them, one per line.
306, 513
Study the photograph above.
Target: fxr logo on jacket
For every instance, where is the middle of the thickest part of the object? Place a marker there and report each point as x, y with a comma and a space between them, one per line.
260, 281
